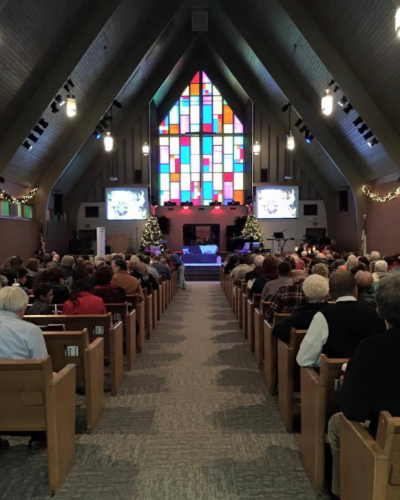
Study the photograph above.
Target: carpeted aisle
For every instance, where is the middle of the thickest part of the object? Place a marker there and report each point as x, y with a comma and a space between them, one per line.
194, 421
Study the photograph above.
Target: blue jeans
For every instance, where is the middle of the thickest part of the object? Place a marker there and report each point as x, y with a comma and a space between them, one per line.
181, 276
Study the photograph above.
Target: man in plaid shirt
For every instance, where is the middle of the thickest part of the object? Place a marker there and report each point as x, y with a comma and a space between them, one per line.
288, 298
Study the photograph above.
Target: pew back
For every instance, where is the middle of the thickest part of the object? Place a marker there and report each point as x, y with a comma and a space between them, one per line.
270, 352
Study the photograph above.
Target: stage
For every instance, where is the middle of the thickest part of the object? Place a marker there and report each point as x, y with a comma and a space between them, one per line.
199, 254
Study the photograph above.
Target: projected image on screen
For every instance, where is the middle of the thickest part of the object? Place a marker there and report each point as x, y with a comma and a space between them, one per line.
127, 204
278, 202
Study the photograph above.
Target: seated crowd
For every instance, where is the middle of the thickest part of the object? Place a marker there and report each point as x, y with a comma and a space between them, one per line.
350, 307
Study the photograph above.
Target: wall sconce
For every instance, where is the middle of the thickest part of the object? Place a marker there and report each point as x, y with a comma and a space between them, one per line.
146, 149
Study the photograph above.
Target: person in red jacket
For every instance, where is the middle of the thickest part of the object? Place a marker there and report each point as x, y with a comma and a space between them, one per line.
82, 301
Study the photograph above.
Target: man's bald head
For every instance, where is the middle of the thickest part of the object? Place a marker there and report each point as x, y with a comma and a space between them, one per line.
298, 275
364, 280
342, 284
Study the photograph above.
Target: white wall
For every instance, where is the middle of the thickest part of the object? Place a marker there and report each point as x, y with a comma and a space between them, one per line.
112, 227
295, 228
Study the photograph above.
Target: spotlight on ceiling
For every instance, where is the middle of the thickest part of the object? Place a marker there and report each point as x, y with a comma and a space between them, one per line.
103, 123
363, 129
298, 123
33, 137
27, 146
285, 107
117, 104
70, 83
303, 129
336, 88
358, 121
43, 123
66, 87
54, 107
97, 134
343, 101
59, 100
308, 137
368, 135
38, 130
100, 129
348, 108
331, 83
373, 142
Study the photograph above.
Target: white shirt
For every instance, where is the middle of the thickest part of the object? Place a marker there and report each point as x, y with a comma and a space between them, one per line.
317, 334
20, 339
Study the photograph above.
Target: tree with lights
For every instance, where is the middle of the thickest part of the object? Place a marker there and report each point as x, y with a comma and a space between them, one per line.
152, 233
252, 229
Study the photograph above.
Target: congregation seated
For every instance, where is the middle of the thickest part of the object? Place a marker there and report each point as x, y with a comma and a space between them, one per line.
371, 381
269, 273
123, 279
139, 271
288, 298
161, 268
150, 270
245, 265
364, 282
82, 301
33, 268
55, 278
111, 294
321, 269
316, 291
380, 272
256, 271
337, 330
67, 264
272, 285
43, 294
231, 263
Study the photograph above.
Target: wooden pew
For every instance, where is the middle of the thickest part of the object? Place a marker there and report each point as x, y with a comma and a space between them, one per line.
120, 312
155, 307
244, 308
319, 401
288, 375
160, 298
239, 303
370, 469
259, 332
74, 348
98, 325
34, 399
270, 351
148, 300
141, 320
251, 305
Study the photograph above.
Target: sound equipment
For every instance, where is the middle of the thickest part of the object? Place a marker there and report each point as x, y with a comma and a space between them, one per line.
58, 204
264, 175
343, 201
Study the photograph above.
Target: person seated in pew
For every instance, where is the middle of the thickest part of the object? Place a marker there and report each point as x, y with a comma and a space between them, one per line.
19, 339
269, 273
55, 278
316, 291
43, 297
241, 270
123, 279
82, 301
371, 382
364, 281
337, 330
111, 294
161, 268
139, 271
150, 270
288, 298
272, 285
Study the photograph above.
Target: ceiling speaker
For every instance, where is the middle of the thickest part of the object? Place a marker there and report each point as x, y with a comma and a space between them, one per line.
200, 21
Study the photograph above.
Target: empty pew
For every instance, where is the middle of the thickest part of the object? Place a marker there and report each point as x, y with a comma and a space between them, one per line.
319, 401
98, 325
251, 305
270, 352
74, 348
120, 312
370, 468
288, 375
33, 399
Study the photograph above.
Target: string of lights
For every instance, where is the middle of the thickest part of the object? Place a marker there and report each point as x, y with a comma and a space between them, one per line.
17, 201
381, 199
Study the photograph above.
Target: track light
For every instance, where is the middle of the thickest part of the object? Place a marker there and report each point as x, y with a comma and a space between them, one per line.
71, 105
103, 123
97, 134
343, 101
285, 107
331, 83
70, 83
327, 103
33, 137
59, 100
298, 123
54, 107
308, 137
368, 135
43, 123
358, 121
38, 130
100, 129
117, 104
373, 142
348, 108
107, 118
303, 128
27, 146
363, 129
66, 87
336, 88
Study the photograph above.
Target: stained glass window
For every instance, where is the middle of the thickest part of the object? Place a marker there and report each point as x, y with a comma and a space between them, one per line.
201, 148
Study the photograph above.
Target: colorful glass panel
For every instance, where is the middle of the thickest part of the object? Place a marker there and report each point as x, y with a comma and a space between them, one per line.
207, 166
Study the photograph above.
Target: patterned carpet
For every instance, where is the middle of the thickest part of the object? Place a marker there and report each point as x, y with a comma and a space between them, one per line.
194, 421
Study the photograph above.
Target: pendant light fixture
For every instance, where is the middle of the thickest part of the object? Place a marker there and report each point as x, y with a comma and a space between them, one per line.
290, 142
327, 98
71, 105
397, 22
146, 149
256, 148
109, 137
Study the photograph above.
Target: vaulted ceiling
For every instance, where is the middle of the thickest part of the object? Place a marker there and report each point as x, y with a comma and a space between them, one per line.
271, 51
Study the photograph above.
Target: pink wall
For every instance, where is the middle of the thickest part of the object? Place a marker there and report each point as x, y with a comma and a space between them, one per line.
344, 227
383, 221
225, 216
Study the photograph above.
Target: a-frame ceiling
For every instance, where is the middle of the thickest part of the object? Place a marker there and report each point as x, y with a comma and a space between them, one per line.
249, 43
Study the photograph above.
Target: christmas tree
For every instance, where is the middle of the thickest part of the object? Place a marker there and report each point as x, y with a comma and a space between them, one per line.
252, 229
152, 233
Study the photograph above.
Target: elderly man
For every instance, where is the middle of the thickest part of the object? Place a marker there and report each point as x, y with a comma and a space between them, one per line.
284, 278
288, 298
316, 291
373, 372
364, 282
161, 268
337, 330
123, 279
246, 265
19, 340
375, 256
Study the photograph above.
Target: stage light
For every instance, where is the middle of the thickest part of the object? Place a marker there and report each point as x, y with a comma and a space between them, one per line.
54, 107
303, 129
117, 104
397, 22
256, 148
298, 123
108, 142
308, 137
373, 142
215, 203
347, 109
343, 101
100, 129
185, 207
217, 207
368, 135
43, 123
97, 134
70, 83
358, 121
145, 149
285, 107
331, 83
327, 103
363, 129
71, 105
27, 146
170, 204
59, 100
38, 130
290, 142
33, 137
107, 118
66, 87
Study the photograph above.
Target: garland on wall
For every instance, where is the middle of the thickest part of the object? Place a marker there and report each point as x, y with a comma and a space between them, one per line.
381, 199
17, 201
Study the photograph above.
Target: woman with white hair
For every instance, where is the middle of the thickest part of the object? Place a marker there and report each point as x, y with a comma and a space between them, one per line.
316, 290
380, 271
